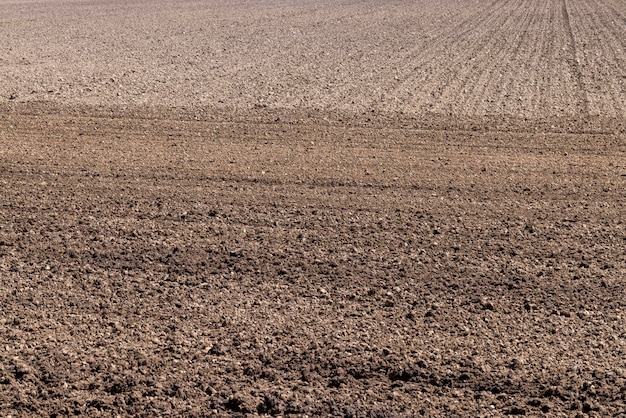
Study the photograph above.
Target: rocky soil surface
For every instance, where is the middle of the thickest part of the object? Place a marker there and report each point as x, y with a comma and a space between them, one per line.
359, 209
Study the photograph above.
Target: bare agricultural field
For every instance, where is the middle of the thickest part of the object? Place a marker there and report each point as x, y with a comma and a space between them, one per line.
528, 58
304, 208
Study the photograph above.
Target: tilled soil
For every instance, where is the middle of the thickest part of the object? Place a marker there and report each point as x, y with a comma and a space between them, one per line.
305, 208
174, 266
530, 58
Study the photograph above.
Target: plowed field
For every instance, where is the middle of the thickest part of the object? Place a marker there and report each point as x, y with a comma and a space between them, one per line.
306, 208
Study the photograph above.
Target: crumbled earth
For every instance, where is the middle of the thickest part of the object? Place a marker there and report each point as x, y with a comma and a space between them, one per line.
172, 266
232, 227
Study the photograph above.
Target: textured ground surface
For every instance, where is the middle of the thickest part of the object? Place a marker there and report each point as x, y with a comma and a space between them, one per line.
523, 57
212, 209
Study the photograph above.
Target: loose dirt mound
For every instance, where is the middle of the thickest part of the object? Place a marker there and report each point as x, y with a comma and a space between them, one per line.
219, 211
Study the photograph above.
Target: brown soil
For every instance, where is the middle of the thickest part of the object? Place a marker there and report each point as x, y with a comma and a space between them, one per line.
182, 251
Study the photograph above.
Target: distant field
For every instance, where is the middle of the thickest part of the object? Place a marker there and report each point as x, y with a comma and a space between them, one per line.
305, 208
528, 58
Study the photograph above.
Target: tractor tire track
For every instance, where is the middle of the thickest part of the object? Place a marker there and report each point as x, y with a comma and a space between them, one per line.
574, 61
